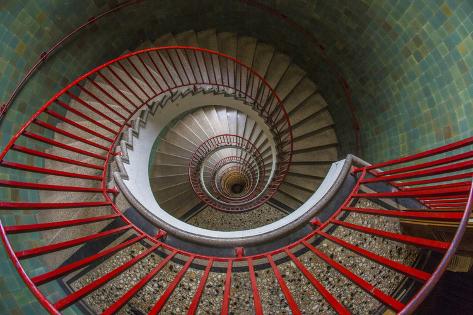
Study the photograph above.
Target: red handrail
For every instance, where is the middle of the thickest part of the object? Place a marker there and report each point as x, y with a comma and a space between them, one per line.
255, 198
452, 193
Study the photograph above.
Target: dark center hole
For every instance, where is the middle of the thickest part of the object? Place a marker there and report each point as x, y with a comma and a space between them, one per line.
237, 188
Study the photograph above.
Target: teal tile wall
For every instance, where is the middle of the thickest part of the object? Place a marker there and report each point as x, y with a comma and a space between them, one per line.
409, 65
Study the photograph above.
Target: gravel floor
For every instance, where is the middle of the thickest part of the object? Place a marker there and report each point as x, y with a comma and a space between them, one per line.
272, 298
213, 219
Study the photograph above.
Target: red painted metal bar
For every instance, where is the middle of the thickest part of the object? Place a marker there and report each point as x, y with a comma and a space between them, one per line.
227, 290
42, 170
130, 61
158, 71
407, 270
61, 145
200, 288
132, 91
178, 53
56, 273
78, 126
93, 109
413, 214
86, 117
55, 157
28, 253
74, 296
101, 102
69, 135
115, 307
412, 240
429, 172
37, 293
102, 90
447, 160
166, 68
146, 67
197, 62
457, 184
336, 305
365, 285
428, 153
173, 66
150, 72
426, 192
285, 290
51, 205
113, 86
254, 288
27, 228
35, 186
442, 266
440, 179
171, 287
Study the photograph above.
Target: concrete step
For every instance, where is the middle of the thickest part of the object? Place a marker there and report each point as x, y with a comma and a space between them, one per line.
310, 169
168, 147
222, 117
181, 203
168, 169
277, 68
295, 192
136, 78
289, 80
119, 92
301, 92
166, 158
165, 189
208, 39
263, 56
74, 155
241, 123
311, 124
147, 73
315, 103
227, 44
181, 140
305, 182
194, 136
325, 154
287, 200
189, 38
108, 94
326, 137
126, 84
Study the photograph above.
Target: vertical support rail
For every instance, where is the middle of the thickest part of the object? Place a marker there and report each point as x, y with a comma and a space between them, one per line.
200, 289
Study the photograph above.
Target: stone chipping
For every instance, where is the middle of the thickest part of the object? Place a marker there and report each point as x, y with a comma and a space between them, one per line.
213, 219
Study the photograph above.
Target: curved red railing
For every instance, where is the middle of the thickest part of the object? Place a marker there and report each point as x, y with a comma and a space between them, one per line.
108, 97
273, 12
244, 166
257, 196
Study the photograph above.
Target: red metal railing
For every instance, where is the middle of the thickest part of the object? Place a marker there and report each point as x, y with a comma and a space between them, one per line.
244, 166
259, 194
437, 188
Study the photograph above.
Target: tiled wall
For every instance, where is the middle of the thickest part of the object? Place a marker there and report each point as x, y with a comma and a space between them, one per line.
409, 65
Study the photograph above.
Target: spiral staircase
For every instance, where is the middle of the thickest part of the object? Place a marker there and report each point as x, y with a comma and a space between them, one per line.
200, 174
